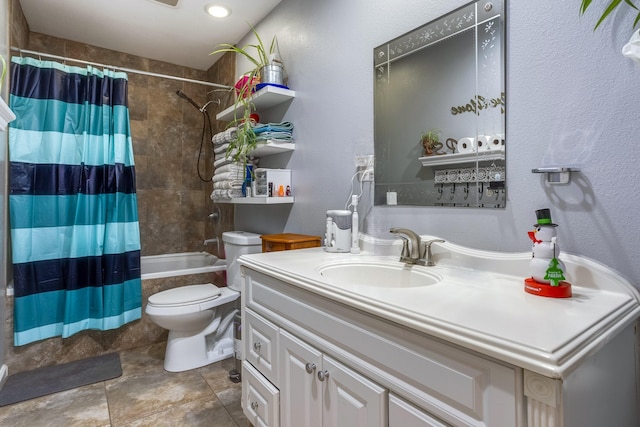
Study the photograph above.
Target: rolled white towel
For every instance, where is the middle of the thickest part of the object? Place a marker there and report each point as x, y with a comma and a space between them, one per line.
225, 194
228, 176
230, 134
224, 136
231, 167
227, 185
221, 162
221, 148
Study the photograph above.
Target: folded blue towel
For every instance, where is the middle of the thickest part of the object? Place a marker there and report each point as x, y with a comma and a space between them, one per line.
273, 127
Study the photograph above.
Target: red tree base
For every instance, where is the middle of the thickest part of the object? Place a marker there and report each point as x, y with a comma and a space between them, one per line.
563, 290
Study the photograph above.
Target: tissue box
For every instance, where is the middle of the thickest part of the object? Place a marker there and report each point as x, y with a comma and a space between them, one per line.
269, 182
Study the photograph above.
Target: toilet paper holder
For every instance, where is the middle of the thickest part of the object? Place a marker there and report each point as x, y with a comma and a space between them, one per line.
557, 175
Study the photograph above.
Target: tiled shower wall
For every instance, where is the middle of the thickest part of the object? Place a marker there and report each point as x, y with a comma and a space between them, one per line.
173, 203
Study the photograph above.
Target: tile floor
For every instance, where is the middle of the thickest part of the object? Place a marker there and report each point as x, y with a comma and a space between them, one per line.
145, 395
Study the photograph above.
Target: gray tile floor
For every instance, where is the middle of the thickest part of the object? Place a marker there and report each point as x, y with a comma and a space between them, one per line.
145, 395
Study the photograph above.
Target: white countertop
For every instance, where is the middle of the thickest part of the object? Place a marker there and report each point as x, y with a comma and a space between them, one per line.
485, 310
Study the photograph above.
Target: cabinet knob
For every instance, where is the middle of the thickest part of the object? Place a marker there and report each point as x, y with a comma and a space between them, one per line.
322, 375
310, 367
254, 406
256, 346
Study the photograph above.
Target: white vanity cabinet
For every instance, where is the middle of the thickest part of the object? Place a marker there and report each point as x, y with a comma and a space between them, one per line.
469, 349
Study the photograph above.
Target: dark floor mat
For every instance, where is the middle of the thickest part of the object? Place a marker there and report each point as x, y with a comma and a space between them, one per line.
52, 379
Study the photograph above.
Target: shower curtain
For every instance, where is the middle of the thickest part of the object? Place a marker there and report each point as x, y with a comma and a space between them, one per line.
72, 201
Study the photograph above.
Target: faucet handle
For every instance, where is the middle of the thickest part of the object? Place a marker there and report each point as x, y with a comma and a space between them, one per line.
426, 251
405, 248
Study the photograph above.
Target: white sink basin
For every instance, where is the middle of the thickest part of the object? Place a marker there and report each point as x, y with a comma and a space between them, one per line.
379, 275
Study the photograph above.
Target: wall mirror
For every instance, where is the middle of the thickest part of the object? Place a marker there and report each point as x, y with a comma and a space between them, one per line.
439, 112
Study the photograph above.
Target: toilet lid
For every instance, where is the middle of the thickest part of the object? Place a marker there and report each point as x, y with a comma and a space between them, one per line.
185, 295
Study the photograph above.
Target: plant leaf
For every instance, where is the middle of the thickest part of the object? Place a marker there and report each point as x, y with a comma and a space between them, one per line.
631, 4
636, 20
583, 7
264, 58
607, 11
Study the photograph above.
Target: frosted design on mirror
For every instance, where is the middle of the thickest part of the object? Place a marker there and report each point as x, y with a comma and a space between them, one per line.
443, 80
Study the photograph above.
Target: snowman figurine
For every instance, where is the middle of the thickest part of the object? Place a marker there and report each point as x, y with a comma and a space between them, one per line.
545, 266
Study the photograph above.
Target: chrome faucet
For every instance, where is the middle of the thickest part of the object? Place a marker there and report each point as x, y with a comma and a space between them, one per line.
409, 255
418, 252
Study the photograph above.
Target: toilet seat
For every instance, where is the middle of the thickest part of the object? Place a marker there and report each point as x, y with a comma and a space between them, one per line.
185, 295
189, 299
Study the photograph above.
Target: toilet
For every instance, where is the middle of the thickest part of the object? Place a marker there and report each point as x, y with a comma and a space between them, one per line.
200, 317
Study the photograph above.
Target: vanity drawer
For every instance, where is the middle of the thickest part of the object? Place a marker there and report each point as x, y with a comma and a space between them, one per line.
261, 345
260, 399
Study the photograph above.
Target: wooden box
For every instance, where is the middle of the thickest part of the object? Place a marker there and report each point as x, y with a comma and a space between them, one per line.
288, 241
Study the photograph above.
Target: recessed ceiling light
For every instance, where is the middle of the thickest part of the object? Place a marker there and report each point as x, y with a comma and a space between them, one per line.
217, 10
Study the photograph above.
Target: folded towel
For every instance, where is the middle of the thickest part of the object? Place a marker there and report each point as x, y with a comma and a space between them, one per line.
273, 127
278, 136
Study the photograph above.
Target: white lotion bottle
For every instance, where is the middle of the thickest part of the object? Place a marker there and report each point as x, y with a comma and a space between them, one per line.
355, 246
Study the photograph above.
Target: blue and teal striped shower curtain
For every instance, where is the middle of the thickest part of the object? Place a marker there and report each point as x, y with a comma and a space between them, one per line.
72, 201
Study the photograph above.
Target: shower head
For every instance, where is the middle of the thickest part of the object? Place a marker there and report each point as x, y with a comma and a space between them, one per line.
182, 95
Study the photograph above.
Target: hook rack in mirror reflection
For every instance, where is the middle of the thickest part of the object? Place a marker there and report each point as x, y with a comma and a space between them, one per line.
557, 175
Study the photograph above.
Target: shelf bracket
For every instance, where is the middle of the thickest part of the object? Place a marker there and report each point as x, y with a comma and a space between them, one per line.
556, 175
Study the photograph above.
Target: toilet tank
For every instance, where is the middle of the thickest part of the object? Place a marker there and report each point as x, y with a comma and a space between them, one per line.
238, 243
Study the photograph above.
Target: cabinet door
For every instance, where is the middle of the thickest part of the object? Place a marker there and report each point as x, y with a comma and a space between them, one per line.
301, 398
259, 398
404, 414
351, 400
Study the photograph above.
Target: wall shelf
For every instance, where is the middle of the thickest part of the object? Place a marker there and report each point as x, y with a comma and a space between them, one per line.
457, 158
257, 200
265, 98
271, 147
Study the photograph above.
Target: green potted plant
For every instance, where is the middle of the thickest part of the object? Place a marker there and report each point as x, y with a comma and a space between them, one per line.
430, 141
267, 69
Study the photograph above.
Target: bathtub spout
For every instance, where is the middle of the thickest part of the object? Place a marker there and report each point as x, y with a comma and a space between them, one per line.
211, 241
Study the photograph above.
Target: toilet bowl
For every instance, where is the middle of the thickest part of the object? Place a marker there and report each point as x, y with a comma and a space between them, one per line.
200, 323
200, 318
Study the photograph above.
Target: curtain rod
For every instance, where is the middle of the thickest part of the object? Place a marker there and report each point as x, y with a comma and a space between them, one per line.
113, 67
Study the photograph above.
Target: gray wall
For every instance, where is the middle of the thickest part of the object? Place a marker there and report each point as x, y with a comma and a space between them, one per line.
568, 88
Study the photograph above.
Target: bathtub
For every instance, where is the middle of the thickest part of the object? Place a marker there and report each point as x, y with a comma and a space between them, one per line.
180, 264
